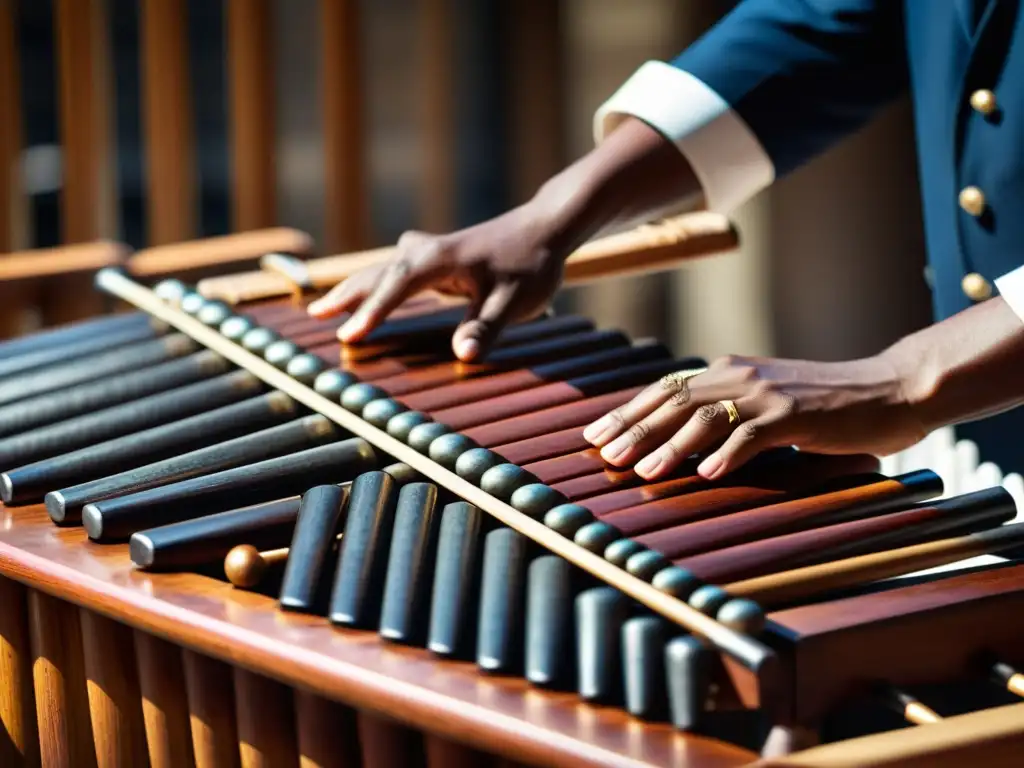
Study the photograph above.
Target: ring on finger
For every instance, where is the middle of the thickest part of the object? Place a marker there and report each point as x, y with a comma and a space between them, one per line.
731, 410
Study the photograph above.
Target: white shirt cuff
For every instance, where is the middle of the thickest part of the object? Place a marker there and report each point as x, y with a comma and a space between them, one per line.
726, 156
1011, 288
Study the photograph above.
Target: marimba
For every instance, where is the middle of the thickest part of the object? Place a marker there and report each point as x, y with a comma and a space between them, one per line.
228, 540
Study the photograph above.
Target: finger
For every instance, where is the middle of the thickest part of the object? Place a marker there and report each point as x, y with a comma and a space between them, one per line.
610, 426
398, 282
709, 424
641, 437
746, 441
345, 295
477, 332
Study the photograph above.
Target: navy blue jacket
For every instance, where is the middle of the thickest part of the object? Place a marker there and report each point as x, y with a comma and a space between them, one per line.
804, 73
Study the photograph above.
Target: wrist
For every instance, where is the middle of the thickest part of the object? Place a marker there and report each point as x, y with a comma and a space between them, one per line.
634, 176
918, 380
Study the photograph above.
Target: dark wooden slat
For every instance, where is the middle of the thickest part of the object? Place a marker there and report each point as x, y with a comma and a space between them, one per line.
88, 203
211, 711
435, 24
167, 121
246, 628
251, 113
13, 235
19, 742
62, 707
345, 146
115, 703
164, 701
266, 721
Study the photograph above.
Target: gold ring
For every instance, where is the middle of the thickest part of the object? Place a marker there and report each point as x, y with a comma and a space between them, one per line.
730, 408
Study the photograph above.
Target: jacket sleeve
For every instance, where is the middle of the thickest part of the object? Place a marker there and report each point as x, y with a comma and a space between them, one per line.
770, 86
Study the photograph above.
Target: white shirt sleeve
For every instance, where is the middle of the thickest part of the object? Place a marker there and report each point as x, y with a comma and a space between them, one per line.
726, 156
1011, 288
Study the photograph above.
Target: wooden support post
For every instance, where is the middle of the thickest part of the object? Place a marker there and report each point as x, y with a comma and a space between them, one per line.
167, 121
436, 66
345, 148
251, 88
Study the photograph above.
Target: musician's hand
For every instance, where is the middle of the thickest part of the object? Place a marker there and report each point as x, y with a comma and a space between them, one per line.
849, 407
508, 268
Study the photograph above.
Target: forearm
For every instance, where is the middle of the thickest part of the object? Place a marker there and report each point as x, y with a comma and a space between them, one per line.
964, 368
635, 174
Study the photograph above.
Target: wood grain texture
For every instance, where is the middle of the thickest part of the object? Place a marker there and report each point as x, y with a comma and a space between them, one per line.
345, 145
326, 732
906, 636
13, 223
864, 500
170, 161
88, 203
19, 741
211, 706
240, 247
802, 583
543, 447
165, 709
549, 420
266, 721
992, 737
88, 208
250, 52
534, 36
115, 703
62, 706
435, 24
451, 699
48, 262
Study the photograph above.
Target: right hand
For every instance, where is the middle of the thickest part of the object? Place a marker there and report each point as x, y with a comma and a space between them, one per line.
509, 268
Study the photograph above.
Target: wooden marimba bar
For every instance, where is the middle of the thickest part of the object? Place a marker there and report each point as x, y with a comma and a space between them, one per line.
473, 522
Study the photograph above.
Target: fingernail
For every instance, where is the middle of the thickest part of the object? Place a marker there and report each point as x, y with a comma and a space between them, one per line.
616, 449
649, 465
314, 307
349, 330
710, 467
600, 432
467, 349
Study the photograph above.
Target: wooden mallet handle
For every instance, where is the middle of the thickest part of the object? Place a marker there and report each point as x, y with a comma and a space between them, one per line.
175, 258
64, 260
647, 248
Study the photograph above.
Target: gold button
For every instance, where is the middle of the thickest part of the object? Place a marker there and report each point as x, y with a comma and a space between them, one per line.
984, 101
972, 201
976, 287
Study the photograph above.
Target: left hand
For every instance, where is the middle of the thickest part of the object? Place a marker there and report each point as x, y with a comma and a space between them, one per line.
849, 407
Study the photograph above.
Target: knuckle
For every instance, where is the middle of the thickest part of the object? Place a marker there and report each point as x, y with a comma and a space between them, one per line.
723, 362
617, 417
670, 450
764, 389
639, 431
411, 238
749, 430
682, 397
707, 414
787, 405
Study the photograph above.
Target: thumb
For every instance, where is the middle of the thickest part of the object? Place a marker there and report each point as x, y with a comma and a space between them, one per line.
485, 320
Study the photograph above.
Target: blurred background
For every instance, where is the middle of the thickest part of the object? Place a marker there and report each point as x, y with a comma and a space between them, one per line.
156, 121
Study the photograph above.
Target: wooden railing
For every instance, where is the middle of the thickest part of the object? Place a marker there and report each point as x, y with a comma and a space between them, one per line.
86, 101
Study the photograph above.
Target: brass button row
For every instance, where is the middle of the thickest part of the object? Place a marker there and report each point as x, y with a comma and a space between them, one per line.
972, 201
984, 101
